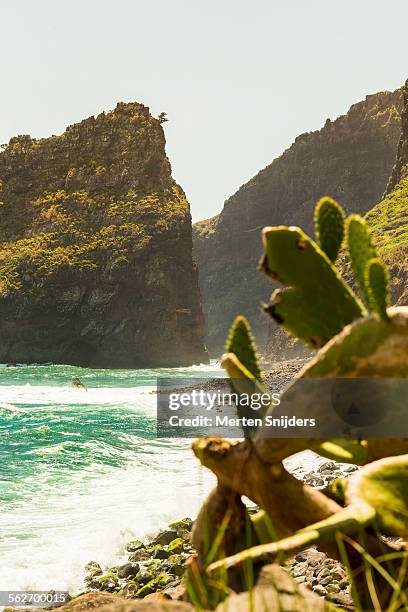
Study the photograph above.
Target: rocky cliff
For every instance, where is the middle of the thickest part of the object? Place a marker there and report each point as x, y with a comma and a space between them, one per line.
349, 159
96, 261
389, 218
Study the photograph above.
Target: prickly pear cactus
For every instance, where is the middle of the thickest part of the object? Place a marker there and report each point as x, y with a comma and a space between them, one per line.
361, 250
316, 303
329, 224
383, 486
317, 306
377, 283
241, 343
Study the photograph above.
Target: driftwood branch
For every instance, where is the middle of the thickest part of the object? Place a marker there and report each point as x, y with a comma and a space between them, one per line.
238, 467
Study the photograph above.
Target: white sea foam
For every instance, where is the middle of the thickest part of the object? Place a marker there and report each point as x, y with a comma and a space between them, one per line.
9, 410
57, 533
89, 495
28, 397
62, 517
73, 527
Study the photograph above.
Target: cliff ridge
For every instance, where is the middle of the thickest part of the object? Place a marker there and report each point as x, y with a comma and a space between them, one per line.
350, 159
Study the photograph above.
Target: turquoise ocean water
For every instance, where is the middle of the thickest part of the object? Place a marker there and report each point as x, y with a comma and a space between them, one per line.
82, 473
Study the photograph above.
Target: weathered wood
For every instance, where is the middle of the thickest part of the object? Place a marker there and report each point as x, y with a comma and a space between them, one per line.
269, 485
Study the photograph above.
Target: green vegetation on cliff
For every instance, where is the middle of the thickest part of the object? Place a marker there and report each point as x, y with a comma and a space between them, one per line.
388, 223
97, 213
388, 219
79, 231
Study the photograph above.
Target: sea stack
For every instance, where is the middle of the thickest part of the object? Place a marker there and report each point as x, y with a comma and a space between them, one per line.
96, 264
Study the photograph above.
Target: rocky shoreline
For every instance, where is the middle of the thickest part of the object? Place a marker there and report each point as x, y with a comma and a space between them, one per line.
154, 569
324, 576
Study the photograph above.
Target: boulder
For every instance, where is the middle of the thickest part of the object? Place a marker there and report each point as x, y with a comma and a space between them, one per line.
93, 569
128, 570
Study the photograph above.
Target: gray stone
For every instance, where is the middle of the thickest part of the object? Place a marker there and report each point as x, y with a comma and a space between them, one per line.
299, 570
338, 574
350, 468
160, 553
165, 537
309, 575
139, 555
183, 524
315, 482
134, 545
144, 576
327, 466
109, 585
313, 553
130, 590
320, 590
128, 570
324, 573
92, 583
175, 591
93, 569
333, 588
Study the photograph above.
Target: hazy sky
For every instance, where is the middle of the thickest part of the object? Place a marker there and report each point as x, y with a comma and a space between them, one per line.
239, 79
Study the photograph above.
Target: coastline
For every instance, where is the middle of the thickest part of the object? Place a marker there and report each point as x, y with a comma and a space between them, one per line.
158, 571
93, 477
154, 568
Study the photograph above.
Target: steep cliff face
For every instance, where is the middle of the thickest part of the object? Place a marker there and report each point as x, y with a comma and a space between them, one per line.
350, 159
389, 218
96, 261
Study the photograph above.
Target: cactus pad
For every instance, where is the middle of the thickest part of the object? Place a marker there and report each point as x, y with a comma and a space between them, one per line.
329, 224
384, 486
241, 343
344, 451
377, 285
361, 251
367, 347
317, 303
242, 380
